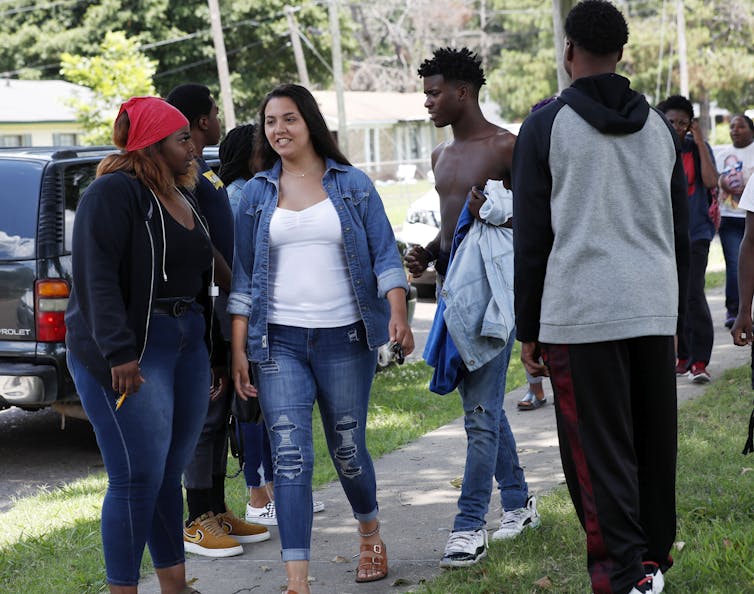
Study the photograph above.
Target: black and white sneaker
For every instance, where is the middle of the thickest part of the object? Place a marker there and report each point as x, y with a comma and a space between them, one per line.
464, 548
652, 569
515, 521
645, 586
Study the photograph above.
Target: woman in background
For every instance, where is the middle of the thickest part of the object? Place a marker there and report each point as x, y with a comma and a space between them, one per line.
318, 285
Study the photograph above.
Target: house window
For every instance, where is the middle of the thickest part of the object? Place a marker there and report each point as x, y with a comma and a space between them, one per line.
64, 139
15, 139
371, 145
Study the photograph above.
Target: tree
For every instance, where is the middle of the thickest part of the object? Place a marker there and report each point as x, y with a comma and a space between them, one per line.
120, 71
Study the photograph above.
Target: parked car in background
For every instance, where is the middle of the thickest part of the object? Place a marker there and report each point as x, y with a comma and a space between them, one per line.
39, 191
421, 226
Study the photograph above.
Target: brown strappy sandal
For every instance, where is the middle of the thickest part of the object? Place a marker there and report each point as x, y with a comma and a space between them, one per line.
372, 559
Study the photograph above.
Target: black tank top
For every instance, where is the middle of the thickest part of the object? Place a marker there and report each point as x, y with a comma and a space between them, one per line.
188, 255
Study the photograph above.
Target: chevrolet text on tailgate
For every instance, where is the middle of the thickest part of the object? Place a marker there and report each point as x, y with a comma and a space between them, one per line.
39, 191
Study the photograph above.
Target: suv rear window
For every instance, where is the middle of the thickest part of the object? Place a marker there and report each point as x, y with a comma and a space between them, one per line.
19, 197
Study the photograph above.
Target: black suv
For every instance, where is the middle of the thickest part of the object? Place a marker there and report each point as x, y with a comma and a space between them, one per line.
39, 191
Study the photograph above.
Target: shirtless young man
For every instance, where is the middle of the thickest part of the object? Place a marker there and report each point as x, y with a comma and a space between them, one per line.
478, 151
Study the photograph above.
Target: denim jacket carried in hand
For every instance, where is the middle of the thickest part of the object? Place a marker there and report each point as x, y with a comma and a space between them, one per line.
478, 289
372, 256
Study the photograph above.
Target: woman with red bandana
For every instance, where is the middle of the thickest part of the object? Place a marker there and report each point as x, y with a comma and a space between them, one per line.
136, 319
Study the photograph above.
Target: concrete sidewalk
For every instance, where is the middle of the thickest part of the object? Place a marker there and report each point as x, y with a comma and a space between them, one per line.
417, 502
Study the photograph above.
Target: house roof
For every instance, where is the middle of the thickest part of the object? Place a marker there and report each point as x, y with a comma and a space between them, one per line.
33, 101
366, 108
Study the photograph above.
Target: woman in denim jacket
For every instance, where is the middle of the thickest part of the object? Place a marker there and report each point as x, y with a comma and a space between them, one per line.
318, 285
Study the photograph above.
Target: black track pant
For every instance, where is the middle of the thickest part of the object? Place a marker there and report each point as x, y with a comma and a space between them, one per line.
615, 405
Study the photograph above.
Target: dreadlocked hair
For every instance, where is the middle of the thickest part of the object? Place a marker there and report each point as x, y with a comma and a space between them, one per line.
455, 64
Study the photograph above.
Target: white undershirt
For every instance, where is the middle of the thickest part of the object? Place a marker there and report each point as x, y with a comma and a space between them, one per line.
310, 286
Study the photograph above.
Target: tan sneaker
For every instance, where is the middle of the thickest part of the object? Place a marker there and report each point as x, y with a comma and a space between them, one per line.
242, 531
205, 536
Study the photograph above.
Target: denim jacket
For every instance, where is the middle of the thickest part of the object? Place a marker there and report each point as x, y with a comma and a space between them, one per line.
372, 256
478, 289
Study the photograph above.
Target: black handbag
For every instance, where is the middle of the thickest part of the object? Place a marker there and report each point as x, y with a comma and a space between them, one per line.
246, 411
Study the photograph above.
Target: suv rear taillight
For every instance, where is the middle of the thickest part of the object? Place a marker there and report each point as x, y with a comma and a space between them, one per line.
51, 299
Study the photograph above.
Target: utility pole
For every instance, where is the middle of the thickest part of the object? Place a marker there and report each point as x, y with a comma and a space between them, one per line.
298, 52
684, 71
560, 8
337, 67
226, 93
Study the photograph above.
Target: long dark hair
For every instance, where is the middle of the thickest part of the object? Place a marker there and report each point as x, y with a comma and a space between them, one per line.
235, 153
322, 140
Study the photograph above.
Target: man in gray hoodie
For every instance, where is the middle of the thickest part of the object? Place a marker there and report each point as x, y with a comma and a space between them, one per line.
601, 249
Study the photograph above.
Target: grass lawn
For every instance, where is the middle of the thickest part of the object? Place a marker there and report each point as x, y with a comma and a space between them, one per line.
397, 197
51, 541
715, 517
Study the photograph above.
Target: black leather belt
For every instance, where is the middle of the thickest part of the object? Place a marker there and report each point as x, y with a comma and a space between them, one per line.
175, 307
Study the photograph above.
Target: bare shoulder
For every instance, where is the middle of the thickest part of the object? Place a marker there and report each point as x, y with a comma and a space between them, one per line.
503, 141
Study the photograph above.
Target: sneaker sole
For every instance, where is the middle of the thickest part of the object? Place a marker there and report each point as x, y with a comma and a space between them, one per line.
454, 563
191, 547
252, 538
318, 506
506, 536
700, 379
262, 521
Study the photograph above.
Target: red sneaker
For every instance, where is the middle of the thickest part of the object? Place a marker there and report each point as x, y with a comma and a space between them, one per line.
682, 368
699, 373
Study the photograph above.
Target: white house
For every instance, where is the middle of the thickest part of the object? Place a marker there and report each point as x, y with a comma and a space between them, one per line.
36, 112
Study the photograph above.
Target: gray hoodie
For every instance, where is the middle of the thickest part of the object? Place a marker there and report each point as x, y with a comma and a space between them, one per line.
600, 218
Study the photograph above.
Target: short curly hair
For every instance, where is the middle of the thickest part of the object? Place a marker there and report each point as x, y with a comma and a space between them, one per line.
597, 27
455, 64
678, 102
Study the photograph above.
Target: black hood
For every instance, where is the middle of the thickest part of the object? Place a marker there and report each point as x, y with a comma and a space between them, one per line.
607, 102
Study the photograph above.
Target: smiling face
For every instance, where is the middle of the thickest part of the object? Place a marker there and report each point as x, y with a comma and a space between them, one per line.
177, 151
442, 100
285, 128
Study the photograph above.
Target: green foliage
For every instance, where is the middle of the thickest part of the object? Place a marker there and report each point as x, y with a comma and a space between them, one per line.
522, 72
120, 71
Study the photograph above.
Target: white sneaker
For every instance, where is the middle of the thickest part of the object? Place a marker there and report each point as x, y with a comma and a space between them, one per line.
262, 515
266, 515
515, 521
464, 548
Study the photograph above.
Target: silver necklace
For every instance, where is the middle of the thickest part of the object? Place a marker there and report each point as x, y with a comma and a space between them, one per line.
298, 174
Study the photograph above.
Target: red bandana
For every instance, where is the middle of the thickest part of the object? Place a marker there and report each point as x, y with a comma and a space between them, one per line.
152, 119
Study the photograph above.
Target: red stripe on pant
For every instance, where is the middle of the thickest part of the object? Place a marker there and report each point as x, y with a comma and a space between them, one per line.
575, 466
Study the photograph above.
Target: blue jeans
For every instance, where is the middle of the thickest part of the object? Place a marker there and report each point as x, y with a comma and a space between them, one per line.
491, 449
256, 454
147, 443
731, 233
335, 367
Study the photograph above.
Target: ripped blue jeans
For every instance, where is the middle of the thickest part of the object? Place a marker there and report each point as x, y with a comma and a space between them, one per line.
335, 368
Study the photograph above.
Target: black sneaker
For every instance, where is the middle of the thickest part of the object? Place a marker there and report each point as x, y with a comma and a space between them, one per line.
644, 586
652, 569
